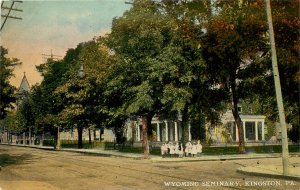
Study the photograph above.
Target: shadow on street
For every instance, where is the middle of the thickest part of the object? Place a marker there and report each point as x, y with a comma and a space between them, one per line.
6, 159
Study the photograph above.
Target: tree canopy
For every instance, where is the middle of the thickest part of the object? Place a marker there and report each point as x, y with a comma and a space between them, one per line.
6, 89
195, 58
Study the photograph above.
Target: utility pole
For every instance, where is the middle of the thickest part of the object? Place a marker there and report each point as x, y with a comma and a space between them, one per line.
51, 56
7, 15
285, 150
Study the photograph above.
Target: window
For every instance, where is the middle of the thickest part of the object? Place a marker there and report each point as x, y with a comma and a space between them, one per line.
250, 130
239, 109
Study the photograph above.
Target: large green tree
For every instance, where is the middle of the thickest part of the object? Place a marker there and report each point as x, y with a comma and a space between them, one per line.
286, 23
158, 62
140, 39
6, 89
233, 47
191, 18
236, 50
83, 99
47, 104
26, 116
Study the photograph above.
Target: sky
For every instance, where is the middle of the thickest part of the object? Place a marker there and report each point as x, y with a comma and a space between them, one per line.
54, 26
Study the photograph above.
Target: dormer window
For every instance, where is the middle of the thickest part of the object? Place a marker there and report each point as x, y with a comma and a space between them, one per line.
240, 109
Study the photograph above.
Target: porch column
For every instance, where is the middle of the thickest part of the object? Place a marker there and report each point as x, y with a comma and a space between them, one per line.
167, 131
127, 131
158, 132
256, 131
176, 132
138, 132
263, 130
244, 129
190, 136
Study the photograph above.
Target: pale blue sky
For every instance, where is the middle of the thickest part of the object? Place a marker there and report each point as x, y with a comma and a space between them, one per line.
56, 26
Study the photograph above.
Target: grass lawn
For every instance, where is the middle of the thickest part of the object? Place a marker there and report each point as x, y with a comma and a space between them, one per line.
207, 150
221, 150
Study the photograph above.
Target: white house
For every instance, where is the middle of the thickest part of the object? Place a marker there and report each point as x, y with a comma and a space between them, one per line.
166, 130
253, 127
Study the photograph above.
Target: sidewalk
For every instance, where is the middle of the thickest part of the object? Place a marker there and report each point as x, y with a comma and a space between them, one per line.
273, 171
217, 157
261, 170
97, 151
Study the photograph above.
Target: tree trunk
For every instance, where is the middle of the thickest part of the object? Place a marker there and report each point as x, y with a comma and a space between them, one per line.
185, 124
100, 131
57, 139
24, 138
10, 138
94, 133
145, 137
237, 117
80, 129
90, 136
7, 137
42, 139
239, 124
150, 115
29, 136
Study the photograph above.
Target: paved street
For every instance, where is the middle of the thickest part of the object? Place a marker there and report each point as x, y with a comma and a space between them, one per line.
28, 168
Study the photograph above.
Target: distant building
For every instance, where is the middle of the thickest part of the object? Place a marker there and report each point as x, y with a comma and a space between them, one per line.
106, 135
253, 127
166, 130
163, 130
23, 91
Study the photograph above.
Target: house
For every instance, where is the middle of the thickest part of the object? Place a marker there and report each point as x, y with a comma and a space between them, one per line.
166, 130
163, 130
253, 127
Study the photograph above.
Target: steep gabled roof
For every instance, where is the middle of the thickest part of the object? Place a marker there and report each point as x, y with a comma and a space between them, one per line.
24, 86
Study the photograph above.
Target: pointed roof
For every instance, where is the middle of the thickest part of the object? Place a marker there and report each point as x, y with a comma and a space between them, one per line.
24, 86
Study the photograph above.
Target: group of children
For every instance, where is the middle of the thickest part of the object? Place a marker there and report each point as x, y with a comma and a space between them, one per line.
176, 150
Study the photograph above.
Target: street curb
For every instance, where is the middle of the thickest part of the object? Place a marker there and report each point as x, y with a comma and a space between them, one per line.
102, 154
215, 159
275, 176
27, 146
77, 151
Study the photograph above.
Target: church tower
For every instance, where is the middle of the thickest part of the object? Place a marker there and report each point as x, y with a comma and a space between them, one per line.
23, 90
